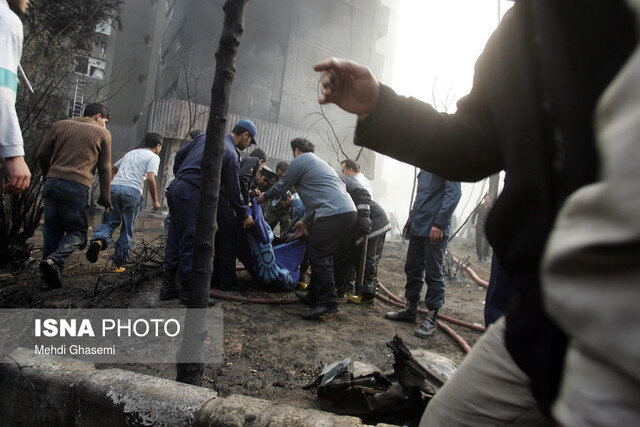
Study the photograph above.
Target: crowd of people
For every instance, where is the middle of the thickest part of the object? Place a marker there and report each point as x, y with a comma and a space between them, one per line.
335, 214
553, 104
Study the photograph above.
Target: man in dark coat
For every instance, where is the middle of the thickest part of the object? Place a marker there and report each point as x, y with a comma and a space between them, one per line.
183, 195
529, 113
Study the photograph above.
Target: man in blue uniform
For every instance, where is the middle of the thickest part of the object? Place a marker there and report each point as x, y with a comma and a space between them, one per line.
232, 212
182, 197
428, 228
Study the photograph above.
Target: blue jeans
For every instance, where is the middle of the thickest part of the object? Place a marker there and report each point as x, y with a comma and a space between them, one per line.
424, 263
65, 219
126, 206
182, 199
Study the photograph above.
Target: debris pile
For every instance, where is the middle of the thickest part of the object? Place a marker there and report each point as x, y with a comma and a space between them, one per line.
359, 389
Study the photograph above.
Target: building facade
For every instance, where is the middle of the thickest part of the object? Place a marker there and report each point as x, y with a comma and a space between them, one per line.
274, 85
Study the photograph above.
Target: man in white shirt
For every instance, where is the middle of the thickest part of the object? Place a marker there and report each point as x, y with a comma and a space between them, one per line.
11, 145
129, 174
351, 168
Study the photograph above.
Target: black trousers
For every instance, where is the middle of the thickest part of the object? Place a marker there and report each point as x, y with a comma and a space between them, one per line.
323, 242
345, 260
226, 247
375, 246
348, 256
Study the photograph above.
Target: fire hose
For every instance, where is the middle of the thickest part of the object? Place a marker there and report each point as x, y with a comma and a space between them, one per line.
228, 297
473, 275
477, 279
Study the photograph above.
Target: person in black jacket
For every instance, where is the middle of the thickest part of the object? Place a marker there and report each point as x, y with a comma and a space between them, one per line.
372, 224
249, 168
530, 113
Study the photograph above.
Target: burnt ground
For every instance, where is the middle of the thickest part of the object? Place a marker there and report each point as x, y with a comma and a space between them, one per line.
269, 352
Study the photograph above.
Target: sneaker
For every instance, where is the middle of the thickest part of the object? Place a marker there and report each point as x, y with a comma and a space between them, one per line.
94, 250
302, 285
50, 275
118, 269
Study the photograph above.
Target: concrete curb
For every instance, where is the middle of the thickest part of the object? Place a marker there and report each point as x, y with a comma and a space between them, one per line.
55, 390
239, 410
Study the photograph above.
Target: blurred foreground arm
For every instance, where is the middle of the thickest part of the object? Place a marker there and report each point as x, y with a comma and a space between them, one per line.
349, 85
591, 274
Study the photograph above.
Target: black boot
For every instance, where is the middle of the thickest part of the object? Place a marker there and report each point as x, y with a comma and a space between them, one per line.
318, 311
429, 326
185, 294
169, 289
306, 299
407, 315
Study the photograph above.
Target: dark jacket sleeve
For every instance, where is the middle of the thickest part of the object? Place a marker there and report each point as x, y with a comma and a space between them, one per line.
246, 176
231, 182
463, 146
407, 224
358, 193
452, 193
181, 154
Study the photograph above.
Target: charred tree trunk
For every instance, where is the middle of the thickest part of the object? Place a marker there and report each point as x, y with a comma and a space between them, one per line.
206, 225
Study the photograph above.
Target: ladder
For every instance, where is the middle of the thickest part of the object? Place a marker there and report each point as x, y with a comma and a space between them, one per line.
78, 99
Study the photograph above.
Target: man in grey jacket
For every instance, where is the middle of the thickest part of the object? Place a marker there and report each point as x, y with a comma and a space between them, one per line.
330, 214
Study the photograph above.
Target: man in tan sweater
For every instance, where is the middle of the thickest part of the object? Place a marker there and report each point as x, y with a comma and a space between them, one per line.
68, 154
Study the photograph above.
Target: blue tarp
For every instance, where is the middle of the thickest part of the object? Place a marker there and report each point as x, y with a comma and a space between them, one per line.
273, 269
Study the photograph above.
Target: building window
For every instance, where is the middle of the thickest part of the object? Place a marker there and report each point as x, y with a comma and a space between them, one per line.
104, 28
82, 65
90, 67
147, 39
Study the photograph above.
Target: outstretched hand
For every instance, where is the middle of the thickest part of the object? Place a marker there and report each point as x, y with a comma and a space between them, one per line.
349, 85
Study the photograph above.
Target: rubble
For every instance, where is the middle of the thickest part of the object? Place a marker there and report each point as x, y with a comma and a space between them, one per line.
355, 388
